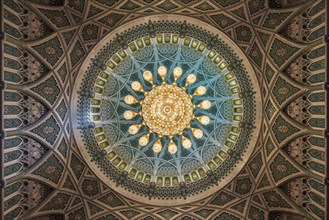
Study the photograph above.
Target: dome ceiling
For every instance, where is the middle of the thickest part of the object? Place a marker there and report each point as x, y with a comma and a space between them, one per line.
161, 109
166, 113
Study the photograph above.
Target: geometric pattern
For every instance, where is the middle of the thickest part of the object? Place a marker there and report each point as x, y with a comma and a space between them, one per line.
282, 39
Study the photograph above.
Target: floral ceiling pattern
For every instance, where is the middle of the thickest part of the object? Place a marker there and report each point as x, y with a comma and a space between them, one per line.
46, 42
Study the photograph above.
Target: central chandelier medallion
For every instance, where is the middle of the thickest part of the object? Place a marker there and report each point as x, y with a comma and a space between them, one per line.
167, 110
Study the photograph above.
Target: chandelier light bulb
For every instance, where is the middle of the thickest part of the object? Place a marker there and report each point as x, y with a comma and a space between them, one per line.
137, 86
172, 147
129, 99
205, 104
157, 146
201, 90
197, 133
133, 129
186, 143
190, 79
162, 71
129, 114
148, 76
205, 120
177, 72
144, 140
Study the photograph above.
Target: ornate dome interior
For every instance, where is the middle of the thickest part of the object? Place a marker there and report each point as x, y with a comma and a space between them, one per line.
162, 109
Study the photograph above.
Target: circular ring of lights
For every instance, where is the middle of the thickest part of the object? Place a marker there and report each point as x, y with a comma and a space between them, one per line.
166, 110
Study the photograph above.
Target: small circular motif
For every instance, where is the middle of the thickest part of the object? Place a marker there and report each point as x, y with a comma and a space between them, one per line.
51, 169
50, 50
48, 130
48, 90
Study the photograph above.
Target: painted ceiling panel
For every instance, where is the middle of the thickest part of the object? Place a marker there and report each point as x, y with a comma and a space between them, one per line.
103, 119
